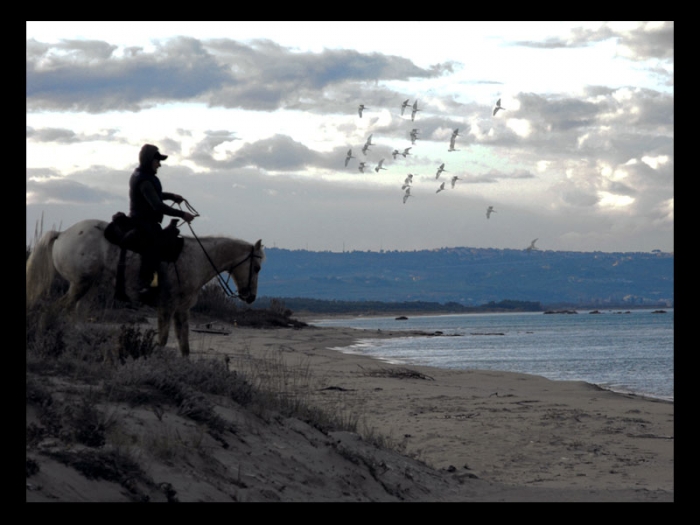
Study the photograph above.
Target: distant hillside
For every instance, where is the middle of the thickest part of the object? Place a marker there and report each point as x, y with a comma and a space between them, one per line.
471, 276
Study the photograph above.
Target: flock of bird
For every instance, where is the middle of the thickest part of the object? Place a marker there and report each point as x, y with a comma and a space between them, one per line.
413, 134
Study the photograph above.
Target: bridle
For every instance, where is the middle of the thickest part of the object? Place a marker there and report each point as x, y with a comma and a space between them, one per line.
224, 282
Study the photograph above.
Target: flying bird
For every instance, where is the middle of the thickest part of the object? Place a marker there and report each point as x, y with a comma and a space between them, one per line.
440, 170
498, 106
454, 179
455, 133
442, 187
414, 136
407, 181
415, 110
452, 142
348, 157
405, 152
406, 195
360, 108
532, 246
361, 167
395, 152
379, 166
404, 105
490, 210
367, 145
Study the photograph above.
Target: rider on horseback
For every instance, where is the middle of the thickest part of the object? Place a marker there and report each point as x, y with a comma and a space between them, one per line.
147, 208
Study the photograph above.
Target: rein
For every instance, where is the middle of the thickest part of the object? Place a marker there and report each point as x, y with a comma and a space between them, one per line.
223, 283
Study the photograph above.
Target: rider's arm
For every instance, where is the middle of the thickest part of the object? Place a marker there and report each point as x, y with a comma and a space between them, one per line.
149, 192
172, 197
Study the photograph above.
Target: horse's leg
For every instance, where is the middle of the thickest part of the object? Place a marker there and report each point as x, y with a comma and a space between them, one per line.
182, 330
76, 291
164, 317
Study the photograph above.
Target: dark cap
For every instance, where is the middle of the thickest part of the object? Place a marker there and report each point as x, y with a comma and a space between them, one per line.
149, 153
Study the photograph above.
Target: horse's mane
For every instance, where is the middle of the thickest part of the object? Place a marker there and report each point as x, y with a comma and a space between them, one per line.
226, 237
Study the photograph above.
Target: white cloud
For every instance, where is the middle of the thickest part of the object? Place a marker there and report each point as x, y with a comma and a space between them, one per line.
522, 127
611, 200
655, 162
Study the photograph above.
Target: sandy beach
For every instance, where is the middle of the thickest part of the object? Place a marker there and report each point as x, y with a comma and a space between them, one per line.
508, 428
445, 436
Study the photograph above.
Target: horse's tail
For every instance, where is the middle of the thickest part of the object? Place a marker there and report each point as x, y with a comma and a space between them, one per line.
40, 268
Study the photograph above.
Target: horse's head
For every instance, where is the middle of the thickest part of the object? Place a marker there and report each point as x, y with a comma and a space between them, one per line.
245, 273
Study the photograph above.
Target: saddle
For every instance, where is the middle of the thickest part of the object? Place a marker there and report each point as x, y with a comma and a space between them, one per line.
122, 231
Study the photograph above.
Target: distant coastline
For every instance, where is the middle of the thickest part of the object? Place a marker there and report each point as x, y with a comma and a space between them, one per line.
302, 307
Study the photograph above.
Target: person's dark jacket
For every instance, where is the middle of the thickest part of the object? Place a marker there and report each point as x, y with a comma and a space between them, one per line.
146, 197
146, 193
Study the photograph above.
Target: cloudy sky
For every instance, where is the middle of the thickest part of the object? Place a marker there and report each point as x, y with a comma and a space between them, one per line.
257, 119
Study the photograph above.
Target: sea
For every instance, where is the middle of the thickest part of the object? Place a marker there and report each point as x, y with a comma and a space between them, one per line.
628, 351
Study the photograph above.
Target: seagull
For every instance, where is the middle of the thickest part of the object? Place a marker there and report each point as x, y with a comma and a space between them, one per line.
395, 152
360, 108
452, 144
405, 152
454, 179
498, 106
532, 246
367, 145
379, 166
408, 180
442, 187
404, 105
361, 167
406, 195
348, 157
415, 110
455, 133
490, 210
440, 170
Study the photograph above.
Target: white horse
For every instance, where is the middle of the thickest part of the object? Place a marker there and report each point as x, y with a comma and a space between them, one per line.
84, 257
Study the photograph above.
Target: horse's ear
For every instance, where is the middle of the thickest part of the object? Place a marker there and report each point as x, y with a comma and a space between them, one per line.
258, 244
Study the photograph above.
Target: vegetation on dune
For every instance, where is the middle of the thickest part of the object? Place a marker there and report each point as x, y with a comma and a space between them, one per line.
80, 366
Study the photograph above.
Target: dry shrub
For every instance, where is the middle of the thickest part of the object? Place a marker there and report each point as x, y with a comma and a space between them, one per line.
46, 326
167, 378
213, 302
108, 464
134, 343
